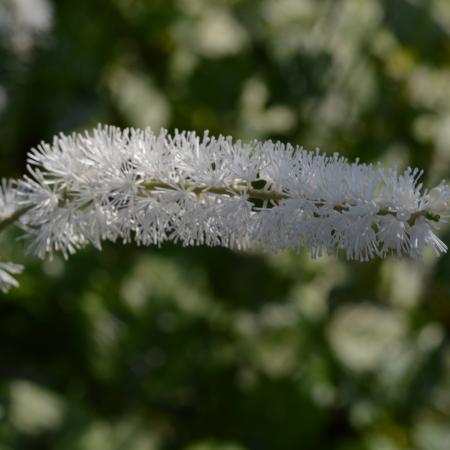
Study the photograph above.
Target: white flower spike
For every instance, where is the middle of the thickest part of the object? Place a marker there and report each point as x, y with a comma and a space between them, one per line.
149, 188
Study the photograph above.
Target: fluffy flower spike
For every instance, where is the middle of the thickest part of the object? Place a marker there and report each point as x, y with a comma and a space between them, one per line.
135, 185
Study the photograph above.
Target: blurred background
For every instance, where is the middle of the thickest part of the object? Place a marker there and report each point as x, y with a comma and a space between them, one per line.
208, 349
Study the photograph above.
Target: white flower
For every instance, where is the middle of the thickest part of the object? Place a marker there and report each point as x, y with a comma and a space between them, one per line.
6, 279
135, 185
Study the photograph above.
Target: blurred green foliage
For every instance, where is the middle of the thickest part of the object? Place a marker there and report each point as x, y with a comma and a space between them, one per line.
207, 349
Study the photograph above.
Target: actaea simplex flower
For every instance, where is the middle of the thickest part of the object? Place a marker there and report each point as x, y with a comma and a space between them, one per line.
136, 185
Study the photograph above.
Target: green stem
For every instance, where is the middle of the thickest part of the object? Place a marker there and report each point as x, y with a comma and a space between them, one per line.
236, 190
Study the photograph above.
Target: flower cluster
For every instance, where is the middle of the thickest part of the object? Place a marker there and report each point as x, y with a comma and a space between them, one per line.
149, 188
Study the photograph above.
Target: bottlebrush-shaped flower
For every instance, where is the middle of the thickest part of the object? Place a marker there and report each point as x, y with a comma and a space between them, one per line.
135, 185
